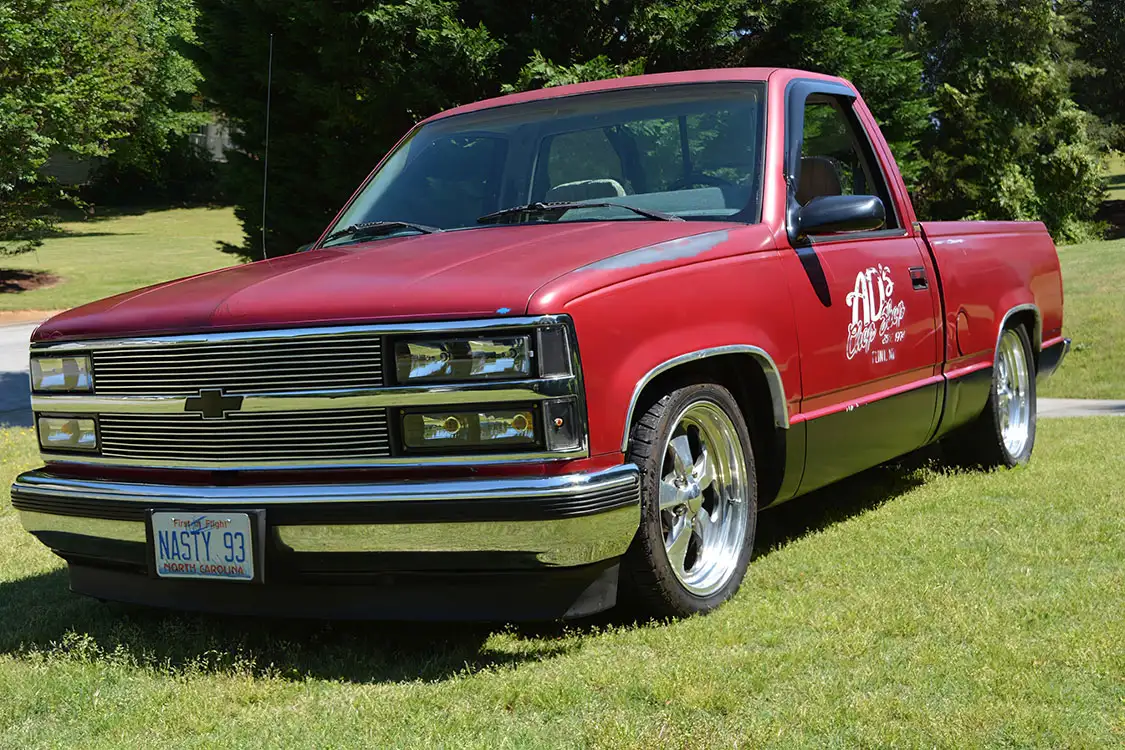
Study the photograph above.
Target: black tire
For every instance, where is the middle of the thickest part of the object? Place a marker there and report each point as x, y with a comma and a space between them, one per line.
980, 443
650, 586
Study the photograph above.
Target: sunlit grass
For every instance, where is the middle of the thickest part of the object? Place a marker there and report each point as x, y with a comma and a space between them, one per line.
905, 608
1094, 318
106, 256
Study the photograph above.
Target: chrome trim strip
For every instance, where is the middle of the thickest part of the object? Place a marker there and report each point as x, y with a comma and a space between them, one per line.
773, 378
41, 482
564, 541
100, 528
417, 462
1036, 335
436, 395
386, 329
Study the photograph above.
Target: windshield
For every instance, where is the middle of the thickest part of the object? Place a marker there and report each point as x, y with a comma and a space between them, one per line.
689, 151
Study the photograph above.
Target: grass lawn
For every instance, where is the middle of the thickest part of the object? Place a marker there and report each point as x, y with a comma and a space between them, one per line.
105, 256
1094, 319
905, 608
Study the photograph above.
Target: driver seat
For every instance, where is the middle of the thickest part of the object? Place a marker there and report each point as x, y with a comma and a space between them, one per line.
820, 175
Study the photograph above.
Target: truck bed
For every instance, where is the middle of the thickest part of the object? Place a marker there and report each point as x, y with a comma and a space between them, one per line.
973, 260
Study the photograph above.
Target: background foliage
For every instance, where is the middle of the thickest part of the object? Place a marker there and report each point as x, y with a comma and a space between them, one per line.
68, 80
1099, 35
349, 78
83, 77
997, 109
1008, 141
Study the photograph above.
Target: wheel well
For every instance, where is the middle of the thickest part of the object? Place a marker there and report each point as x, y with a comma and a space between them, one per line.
744, 376
1029, 321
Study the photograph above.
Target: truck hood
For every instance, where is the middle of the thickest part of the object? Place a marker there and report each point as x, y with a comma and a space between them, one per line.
453, 275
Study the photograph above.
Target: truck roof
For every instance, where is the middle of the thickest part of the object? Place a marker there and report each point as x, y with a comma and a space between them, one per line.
715, 75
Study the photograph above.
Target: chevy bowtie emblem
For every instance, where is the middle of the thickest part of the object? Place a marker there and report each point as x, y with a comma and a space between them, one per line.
212, 404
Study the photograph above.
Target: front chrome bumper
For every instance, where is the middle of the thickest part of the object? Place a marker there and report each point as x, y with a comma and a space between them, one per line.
508, 523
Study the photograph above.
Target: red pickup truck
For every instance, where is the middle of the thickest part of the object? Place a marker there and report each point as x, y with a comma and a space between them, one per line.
560, 347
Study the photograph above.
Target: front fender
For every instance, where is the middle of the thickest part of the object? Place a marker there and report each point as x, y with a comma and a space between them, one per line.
630, 331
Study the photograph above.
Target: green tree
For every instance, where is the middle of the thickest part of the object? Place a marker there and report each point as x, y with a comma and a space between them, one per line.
601, 38
157, 162
1009, 141
169, 84
974, 97
540, 72
83, 77
1100, 37
863, 43
68, 82
349, 78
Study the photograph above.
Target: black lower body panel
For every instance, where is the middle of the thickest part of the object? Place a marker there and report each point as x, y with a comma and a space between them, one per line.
563, 593
1051, 357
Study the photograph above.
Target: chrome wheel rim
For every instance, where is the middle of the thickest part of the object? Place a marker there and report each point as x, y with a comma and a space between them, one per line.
1013, 393
704, 498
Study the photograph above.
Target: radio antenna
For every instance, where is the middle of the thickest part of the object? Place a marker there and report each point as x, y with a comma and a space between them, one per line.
266, 156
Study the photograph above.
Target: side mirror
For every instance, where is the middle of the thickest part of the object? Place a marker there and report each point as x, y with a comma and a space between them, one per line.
841, 213
306, 246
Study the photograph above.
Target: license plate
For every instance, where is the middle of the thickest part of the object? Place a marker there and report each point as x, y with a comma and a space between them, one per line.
215, 546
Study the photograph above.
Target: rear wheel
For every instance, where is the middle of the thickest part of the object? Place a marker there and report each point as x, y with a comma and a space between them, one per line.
699, 503
1004, 434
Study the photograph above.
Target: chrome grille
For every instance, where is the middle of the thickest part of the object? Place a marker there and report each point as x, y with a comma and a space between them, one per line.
257, 365
337, 435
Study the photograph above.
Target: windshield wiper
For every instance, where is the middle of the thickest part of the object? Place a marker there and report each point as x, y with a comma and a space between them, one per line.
366, 229
564, 206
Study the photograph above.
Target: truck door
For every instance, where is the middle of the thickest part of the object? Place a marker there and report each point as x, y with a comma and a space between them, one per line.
867, 310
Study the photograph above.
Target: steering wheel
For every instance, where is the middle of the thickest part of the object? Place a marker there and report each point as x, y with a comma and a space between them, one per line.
698, 178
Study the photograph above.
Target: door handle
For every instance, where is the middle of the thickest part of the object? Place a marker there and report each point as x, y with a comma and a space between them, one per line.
918, 278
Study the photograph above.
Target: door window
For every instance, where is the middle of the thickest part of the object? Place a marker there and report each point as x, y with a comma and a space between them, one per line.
836, 157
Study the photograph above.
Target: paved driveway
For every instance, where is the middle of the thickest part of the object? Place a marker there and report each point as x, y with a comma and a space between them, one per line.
1079, 407
15, 396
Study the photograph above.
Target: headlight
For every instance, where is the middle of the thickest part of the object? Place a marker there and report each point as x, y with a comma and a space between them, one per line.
68, 433
61, 374
464, 359
476, 429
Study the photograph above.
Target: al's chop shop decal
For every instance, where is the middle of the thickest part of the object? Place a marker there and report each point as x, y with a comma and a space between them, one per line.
876, 316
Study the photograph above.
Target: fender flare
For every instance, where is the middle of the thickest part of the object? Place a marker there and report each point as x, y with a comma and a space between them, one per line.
1036, 335
769, 367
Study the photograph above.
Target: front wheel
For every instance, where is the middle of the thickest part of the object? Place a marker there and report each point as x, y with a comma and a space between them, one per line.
698, 505
1004, 434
